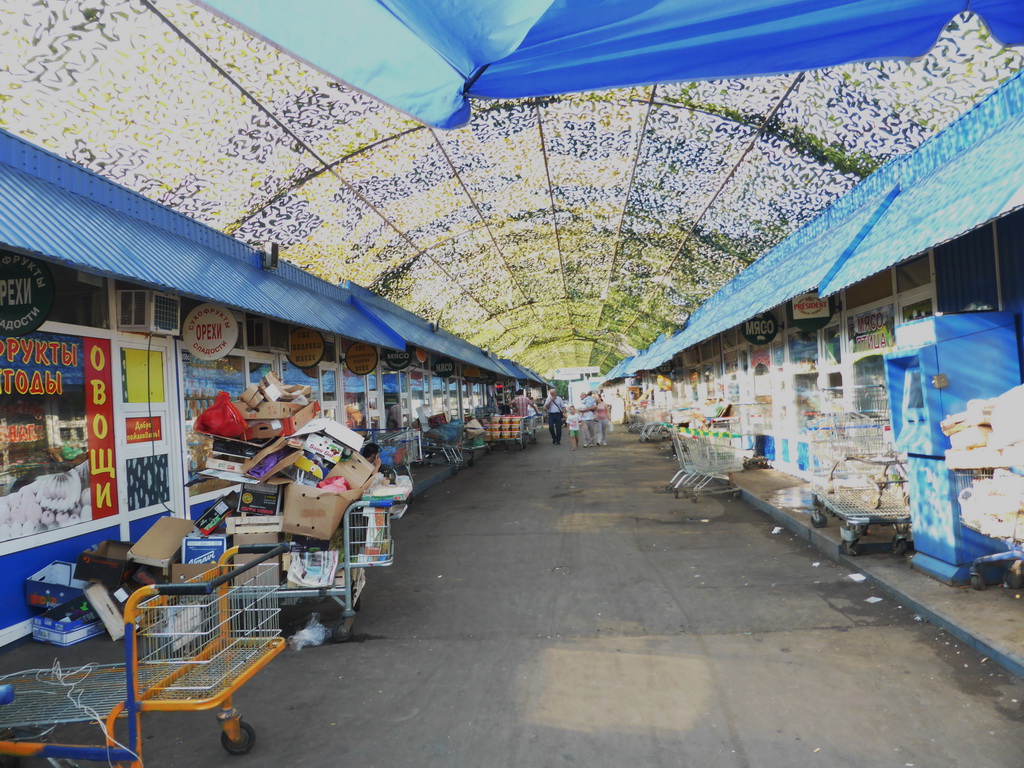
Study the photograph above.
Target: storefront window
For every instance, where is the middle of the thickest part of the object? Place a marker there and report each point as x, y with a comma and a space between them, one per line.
732, 378
807, 399
305, 378
803, 351
869, 384
453, 398
329, 384
203, 379
417, 392
832, 343
394, 386
50, 408
257, 370
437, 395
372, 401
355, 400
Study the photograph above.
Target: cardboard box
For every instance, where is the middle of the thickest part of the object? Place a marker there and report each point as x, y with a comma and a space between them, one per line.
259, 499
106, 563
356, 470
315, 512
67, 624
265, 430
203, 549
53, 585
187, 571
234, 464
280, 409
255, 524
271, 387
970, 437
109, 606
333, 429
161, 544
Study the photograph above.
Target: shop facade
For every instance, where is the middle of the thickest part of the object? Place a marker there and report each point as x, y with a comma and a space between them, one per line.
115, 340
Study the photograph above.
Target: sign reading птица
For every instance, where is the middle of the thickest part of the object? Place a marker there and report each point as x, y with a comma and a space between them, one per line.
26, 294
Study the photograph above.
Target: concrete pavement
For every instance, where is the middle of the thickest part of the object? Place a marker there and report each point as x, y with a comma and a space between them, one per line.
550, 608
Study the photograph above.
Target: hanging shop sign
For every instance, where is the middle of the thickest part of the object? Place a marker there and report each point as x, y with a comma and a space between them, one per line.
576, 372
872, 332
421, 354
470, 372
306, 347
26, 294
209, 332
761, 329
143, 429
809, 312
664, 383
488, 377
397, 359
361, 358
443, 367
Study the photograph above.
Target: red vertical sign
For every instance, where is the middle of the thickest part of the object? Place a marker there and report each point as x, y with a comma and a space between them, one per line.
99, 414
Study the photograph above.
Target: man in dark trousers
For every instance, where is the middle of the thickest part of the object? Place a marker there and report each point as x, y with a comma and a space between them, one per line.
554, 407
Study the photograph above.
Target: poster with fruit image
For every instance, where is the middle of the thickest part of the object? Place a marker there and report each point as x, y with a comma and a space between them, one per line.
56, 433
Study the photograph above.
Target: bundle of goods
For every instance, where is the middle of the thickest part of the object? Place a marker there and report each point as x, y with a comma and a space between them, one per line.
995, 505
989, 433
449, 434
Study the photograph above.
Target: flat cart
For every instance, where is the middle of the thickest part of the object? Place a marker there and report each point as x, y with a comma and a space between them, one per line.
365, 542
188, 647
858, 476
991, 500
508, 431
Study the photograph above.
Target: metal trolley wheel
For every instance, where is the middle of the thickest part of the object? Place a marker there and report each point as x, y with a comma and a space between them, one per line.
244, 745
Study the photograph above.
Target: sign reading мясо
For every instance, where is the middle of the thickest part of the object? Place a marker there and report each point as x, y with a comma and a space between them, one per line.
443, 367
26, 294
760, 329
397, 359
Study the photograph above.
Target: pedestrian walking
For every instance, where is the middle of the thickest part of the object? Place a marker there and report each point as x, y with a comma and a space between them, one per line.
521, 404
573, 420
600, 421
554, 407
587, 419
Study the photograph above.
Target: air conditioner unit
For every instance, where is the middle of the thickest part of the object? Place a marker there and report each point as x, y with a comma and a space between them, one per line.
143, 311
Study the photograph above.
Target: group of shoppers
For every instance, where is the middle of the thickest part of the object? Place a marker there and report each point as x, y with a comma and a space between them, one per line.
588, 424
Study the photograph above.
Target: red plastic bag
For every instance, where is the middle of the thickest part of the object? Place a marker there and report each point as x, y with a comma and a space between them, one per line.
221, 418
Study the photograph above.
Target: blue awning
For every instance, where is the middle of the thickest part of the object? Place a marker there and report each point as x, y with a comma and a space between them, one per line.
42, 218
414, 330
428, 59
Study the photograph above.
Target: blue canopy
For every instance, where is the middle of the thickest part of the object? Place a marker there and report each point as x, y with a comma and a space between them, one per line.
428, 58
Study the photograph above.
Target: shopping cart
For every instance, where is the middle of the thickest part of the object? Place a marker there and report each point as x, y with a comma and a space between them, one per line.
991, 502
447, 451
657, 424
707, 462
858, 476
399, 451
188, 647
363, 540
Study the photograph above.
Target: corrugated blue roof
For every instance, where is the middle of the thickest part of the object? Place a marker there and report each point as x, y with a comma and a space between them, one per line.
414, 330
39, 216
966, 175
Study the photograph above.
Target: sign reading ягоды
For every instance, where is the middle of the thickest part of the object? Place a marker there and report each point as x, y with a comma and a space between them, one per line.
26, 294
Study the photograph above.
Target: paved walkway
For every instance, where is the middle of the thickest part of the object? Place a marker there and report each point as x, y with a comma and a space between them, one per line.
550, 608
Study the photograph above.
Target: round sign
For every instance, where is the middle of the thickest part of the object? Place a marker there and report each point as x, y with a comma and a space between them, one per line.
397, 359
470, 372
488, 377
760, 329
361, 358
443, 367
421, 354
305, 347
209, 332
26, 294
